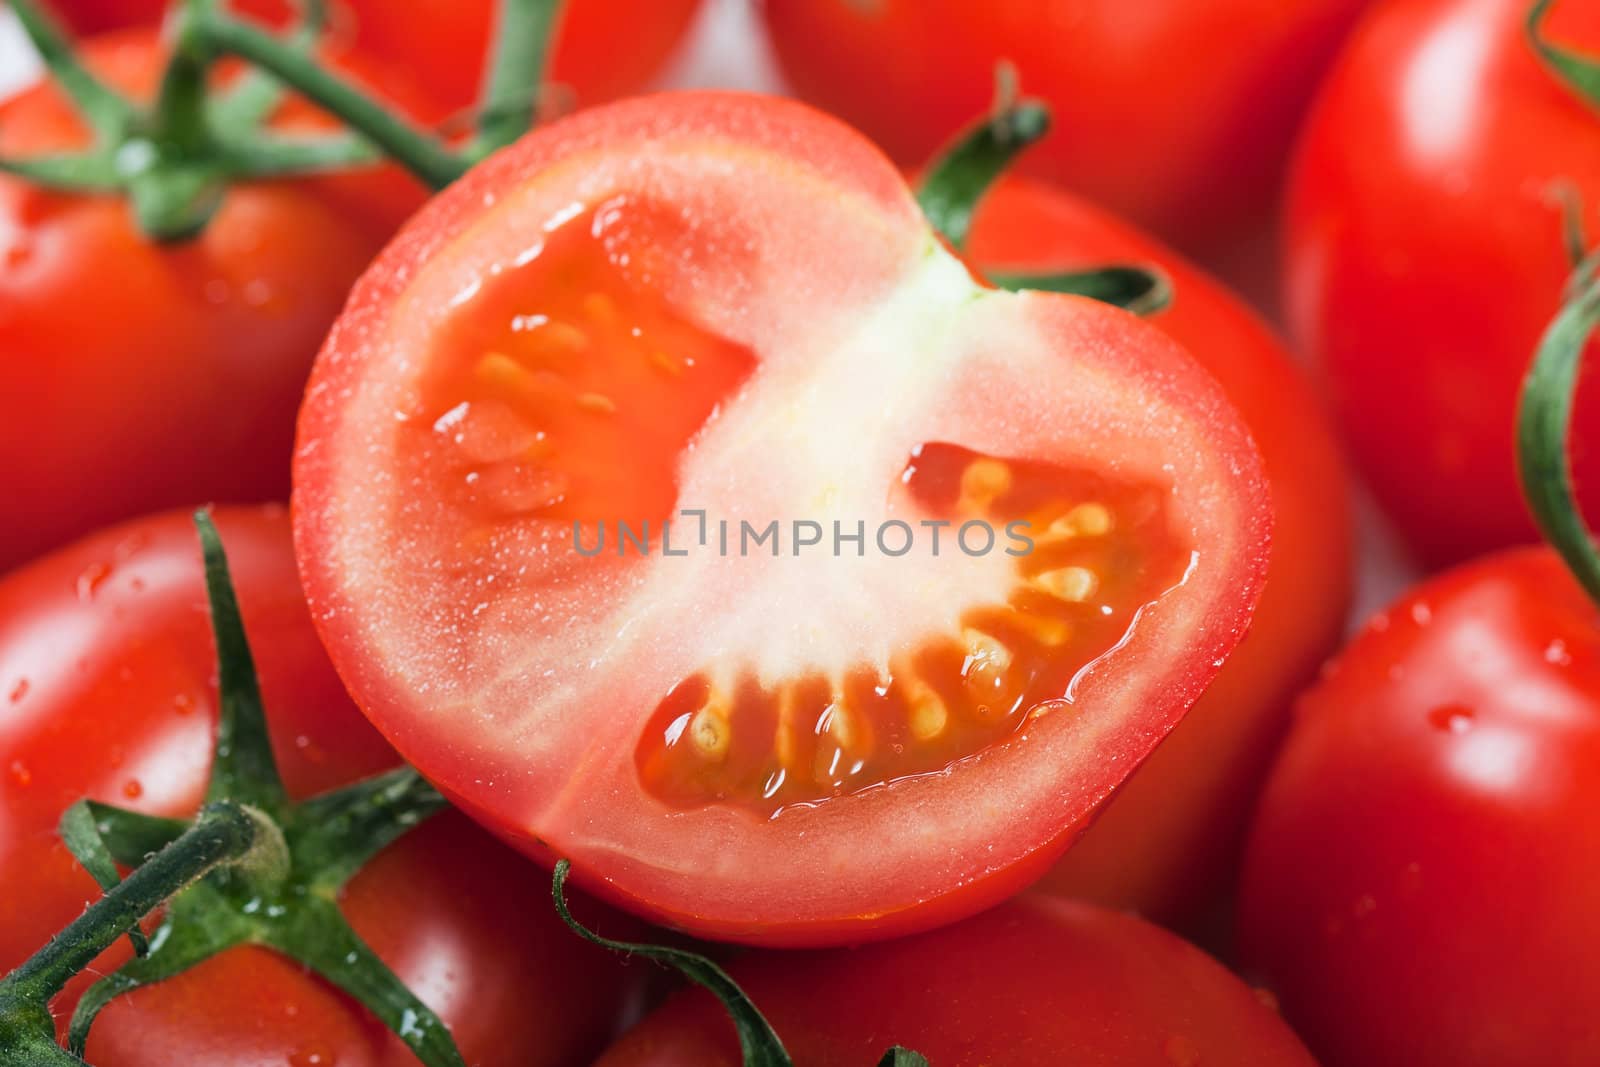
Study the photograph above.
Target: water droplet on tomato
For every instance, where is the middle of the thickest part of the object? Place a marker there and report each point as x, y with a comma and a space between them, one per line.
259, 294
20, 774
1557, 654
310, 749
183, 704
19, 690
91, 579
311, 1056
1452, 718
1421, 613
133, 789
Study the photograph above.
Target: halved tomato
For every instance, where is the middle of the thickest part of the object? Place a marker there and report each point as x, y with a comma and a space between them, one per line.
675, 501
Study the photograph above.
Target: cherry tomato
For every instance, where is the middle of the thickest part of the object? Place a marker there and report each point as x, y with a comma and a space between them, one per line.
730, 307
1032, 981
1425, 254
1174, 114
1173, 834
603, 48
140, 376
1420, 881
108, 690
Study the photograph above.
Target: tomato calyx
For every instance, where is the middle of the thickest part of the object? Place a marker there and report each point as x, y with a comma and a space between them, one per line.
175, 160
253, 868
958, 178
1576, 71
759, 1044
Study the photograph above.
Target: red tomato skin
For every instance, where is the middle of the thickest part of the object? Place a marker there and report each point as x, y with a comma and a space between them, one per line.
1424, 255
1172, 837
143, 376
1420, 879
1032, 981
118, 621
603, 49
1154, 110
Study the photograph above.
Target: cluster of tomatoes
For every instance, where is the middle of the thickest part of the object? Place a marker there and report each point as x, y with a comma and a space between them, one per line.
980, 805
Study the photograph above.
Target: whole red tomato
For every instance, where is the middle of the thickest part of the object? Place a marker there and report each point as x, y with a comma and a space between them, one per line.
1175, 114
1421, 877
1031, 982
602, 49
140, 375
1425, 254
108, 690
1172, 835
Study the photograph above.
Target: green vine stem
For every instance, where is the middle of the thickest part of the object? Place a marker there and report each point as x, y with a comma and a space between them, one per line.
1578, 72
508, 105
224, 833
255, 868
1544, 426
958, 180
759, 1043
175, 160
414, 148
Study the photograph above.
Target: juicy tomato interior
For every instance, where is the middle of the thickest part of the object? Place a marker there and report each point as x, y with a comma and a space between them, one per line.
563, 392
1091, 553
567, 387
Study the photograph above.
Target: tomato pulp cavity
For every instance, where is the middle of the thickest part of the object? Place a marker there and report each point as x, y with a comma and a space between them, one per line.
722, 319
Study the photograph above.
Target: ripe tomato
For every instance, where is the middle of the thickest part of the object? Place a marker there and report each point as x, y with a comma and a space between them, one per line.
1425, 254
730, 305
1157, 109
1033, 981
1173, 834
603, 49
1420, 881
142, 376
108, 690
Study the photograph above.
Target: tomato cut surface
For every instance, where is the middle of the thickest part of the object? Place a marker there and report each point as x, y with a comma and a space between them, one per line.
673, 499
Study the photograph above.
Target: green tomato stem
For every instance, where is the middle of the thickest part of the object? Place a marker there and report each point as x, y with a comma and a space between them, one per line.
958, 179
1544, 427
225, 833
510, 99
409, 145
104, 110
1576, 71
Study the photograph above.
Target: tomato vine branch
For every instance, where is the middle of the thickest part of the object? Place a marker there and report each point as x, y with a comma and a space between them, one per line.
1578, 72
1544, 426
